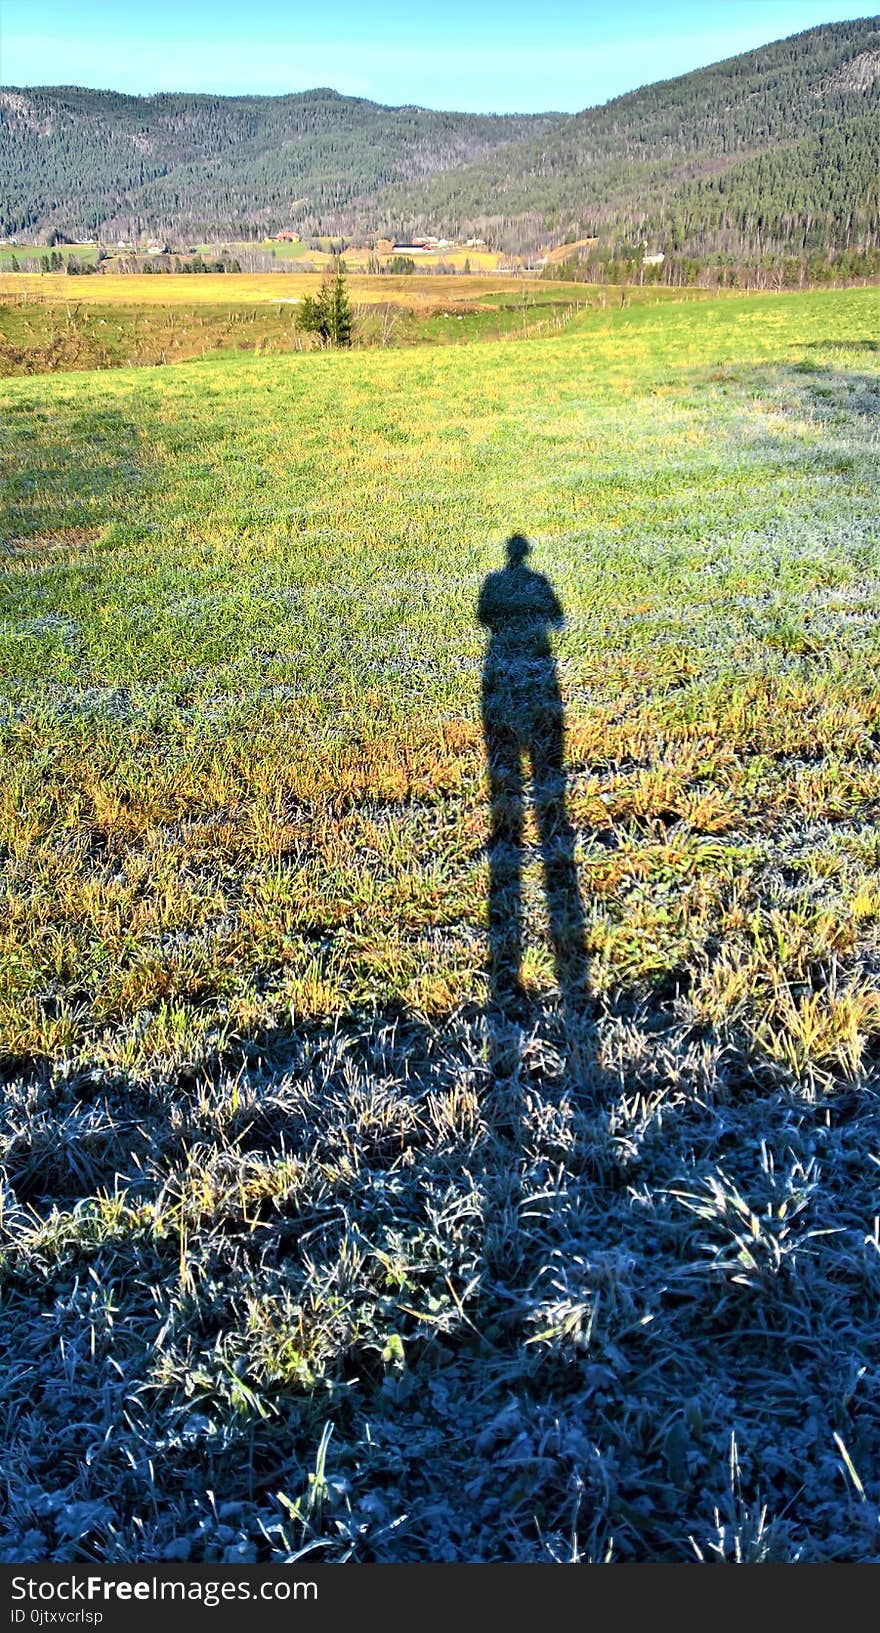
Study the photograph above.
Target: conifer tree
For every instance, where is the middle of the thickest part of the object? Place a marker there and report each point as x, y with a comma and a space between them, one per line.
328, 314
339, 321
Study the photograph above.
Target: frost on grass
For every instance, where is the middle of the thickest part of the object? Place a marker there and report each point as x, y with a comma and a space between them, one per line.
301, 1248
516, 1319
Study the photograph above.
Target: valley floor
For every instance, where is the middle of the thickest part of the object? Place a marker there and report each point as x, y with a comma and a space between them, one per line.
309, 1240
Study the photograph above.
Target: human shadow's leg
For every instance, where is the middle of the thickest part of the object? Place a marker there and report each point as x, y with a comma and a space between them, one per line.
558, 841
505, 862
502, 1106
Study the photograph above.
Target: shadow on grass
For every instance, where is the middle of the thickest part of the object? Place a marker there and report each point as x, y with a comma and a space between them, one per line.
536, 1323
528, 1282
523, 720
860, 343
529, 1348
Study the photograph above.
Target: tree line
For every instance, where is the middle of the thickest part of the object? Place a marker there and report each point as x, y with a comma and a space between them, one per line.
772, 152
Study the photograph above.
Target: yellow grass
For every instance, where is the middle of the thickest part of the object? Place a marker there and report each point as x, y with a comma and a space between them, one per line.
562, 252
479, 260
171, 289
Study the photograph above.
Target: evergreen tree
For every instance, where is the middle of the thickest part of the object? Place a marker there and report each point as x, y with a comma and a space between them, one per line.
328, 314
339, 320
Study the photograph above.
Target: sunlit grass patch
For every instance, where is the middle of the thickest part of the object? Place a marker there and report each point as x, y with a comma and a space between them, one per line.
283, 1207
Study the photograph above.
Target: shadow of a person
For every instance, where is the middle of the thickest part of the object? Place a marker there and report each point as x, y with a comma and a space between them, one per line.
523, 716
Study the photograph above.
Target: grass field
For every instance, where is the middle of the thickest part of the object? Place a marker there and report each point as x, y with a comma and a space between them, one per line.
357, 259
419, 290
11, 253
561, 252
295, 250
305, 1247
245, 288
45, 326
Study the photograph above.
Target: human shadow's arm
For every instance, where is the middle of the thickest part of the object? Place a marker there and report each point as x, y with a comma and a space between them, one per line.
487, 606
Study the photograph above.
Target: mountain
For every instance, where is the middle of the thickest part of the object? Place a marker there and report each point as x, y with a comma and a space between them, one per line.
97, 163
777, 149
774, 151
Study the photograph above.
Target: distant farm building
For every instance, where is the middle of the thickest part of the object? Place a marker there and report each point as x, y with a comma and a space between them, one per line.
421, 246
158, 248
654, 260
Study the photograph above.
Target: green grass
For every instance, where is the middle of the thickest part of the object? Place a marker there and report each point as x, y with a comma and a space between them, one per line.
261, 1187
296, 250
55, 326
50, 336
30, 255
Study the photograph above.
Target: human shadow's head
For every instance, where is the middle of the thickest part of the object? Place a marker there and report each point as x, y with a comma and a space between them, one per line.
518, 548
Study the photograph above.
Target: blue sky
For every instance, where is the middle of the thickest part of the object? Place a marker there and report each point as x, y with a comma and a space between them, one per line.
490, 56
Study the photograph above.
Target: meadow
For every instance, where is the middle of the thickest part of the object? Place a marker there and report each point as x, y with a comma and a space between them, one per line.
245, 288
305, 1249
12, 255
48, 324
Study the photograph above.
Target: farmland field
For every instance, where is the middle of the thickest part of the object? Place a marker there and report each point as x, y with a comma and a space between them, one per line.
16, 253
307, 1243
50, 323
169, 288
357, 259
294, 250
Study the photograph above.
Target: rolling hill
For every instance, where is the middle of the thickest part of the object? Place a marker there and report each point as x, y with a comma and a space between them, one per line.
88, 163
774, 150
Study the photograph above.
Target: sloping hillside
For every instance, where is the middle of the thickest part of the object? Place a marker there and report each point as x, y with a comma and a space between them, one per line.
87, 162
775, 150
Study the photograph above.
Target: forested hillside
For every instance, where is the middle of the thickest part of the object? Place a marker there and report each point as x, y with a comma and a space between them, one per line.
775, 151
91, 163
